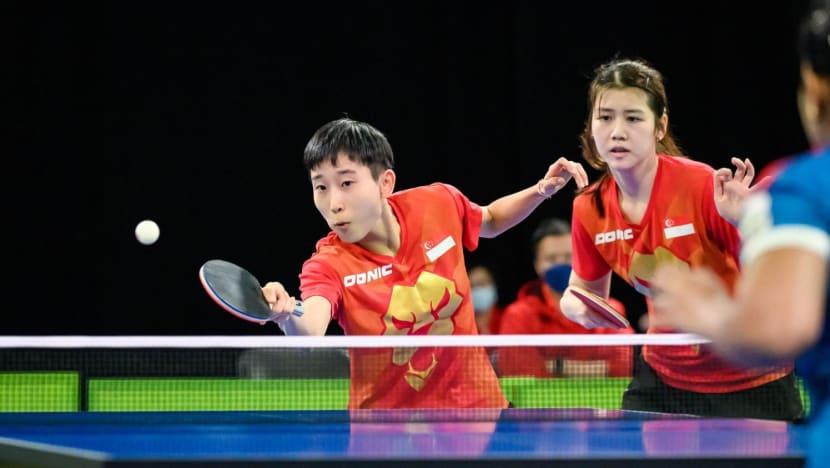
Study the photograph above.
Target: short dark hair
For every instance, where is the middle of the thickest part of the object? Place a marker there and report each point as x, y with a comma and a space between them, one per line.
813, 33
362, 142
549, 227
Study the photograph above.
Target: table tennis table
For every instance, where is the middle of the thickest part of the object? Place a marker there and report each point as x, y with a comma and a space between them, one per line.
573, 437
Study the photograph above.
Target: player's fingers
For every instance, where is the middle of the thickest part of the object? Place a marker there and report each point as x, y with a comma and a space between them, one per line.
724, 173
665, 311
598, 322
668, 281
740, 168
559, 173
679, 287
567, 169
269, 292
586, 321
580, 176
575, 310
285, 304
750, 169
589, 324
280, 314
558, 168
706, 279
737, 162
554, 168
661, 302
718, 181
668, 276
277, 297
659, 319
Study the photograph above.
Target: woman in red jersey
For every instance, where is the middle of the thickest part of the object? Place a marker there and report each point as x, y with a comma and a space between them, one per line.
653, 207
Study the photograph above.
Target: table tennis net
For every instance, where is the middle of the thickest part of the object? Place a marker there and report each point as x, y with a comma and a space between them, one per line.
256, 373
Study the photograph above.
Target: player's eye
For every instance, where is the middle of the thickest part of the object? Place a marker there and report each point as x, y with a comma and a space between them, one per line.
604, 117
346, 183
319, 188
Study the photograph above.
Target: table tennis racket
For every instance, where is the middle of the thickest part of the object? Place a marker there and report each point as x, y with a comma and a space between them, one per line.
600, 307
237, 291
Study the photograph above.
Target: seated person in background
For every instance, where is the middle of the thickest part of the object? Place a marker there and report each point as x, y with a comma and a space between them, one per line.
536, 311
485, 297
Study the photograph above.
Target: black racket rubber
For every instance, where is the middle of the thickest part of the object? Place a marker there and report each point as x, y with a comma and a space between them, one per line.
237, 290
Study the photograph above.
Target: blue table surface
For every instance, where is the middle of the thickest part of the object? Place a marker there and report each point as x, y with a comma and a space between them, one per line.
399, 434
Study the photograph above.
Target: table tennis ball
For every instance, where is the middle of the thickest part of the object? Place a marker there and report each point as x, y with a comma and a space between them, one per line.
147, 232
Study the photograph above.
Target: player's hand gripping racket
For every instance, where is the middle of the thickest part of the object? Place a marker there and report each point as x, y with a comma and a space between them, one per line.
599, 307
238, 291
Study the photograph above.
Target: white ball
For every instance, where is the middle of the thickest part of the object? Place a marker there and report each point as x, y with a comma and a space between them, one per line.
147, 232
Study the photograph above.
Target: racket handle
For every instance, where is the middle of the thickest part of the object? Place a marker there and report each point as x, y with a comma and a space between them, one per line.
298, 309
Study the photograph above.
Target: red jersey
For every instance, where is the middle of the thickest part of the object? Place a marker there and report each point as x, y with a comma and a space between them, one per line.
681, 225
423, 289
536, 311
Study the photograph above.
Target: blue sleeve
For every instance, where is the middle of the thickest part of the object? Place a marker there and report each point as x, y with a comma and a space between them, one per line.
795, 212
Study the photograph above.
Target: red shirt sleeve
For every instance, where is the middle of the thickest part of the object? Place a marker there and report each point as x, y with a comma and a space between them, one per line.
470, 214
586, 262
316, 279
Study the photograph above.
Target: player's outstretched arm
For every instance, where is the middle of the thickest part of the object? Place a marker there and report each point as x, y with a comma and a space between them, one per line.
510, 210
316, 311
776, 312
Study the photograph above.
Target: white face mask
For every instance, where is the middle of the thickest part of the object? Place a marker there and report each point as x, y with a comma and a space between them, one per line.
483, 298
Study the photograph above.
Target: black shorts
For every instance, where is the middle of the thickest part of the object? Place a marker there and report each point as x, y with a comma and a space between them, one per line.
779, 399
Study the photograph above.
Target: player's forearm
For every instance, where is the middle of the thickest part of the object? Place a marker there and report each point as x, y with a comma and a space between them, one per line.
299, 327
313, 322
600, 286
508, 211
751, 348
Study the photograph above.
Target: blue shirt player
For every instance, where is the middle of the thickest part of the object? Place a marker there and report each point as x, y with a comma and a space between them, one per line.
779, 307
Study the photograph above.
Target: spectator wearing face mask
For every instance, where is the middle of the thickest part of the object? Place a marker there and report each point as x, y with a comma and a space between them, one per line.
536, 311
485, 297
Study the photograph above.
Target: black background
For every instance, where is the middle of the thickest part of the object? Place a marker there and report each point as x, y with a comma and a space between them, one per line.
196, 116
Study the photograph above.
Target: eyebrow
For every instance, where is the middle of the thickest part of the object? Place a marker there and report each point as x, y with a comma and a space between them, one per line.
625, 111
340, 172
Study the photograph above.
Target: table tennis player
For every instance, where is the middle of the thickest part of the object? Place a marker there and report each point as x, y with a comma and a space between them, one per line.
652, 207
779, 308
393, 264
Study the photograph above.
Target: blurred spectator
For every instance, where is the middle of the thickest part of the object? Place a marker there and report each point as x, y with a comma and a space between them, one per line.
485, 297
536, 311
